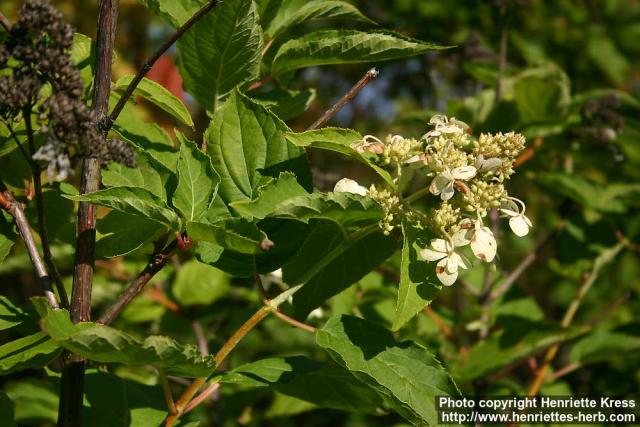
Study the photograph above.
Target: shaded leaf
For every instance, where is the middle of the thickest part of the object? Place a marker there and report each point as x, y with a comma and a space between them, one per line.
286, 104
108, 345
602, 345
11, 314
7, 410
30, 352
8, 235
541, 94
35, 401
272, 194
418, 284
159, 96
176, 12
406, 375
122, 233
220, 51
345, 47
199, 284
236, 234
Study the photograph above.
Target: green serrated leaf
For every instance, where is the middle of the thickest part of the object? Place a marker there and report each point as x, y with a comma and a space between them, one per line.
418, 285
221, 51
327, 263
286, 104
133, 201
176, 12
272, 194
108, 345
35, 401
197, 182
246, 142
159, 96
345, 47
144, 176
31, 352
236, 234
122, 233
541, 94
327, 386
296, 12
199, 284
8, 235
406, 375
340, 141
11, 314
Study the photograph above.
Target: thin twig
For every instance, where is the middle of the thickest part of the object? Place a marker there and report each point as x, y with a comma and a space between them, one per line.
4, 22
446, 330
168, 396
201, 397
156, 263
146, 67
203, 345
295, 323
42, 224
9, 203
355, 90
588, 281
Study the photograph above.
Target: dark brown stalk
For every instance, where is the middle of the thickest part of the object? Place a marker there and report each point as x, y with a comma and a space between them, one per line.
156, 263
146, 67
42, 224
9, 203
355, 90
72, 382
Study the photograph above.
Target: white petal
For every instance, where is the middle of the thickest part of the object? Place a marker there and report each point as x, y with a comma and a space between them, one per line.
447, 192
438, 184
431, 255
463, 262
527, 220
484, 245
440, 245
346, 185
444, 276
462, 237
491, 164
454, 262
464, 172
519, 225
509, 207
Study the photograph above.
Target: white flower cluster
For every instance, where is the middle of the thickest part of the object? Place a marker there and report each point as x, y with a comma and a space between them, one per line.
466, 178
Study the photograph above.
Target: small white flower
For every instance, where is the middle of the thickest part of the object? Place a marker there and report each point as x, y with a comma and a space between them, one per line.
442, 184
479, 237
445, 126
346, 185
518, 222
488, 165
316, 314
448, 259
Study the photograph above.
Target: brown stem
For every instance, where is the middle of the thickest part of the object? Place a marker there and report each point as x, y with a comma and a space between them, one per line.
146, 67
203, 345
201, 397
156, 263
42, 225
72, 386
295, 323
9, 203
168, 396
328, 115
588, 281
4, 22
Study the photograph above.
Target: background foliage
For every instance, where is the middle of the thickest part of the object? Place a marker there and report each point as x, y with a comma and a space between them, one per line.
571, 85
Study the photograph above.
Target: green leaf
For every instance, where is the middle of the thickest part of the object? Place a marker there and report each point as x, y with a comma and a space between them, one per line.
176, 12
327, 386
296, 12
236, 234
11, 314
541, 94
603, 345
246, 142
328, 263
82, 54
345, 47
144, 176
108, 345
122, 233
8, 235
159, 96
418, 286
286, 104
60, 215
270, 195
36, 402
199, 284
149, 137
134, 201
406, 375
31, 352
7, 410
221, 51
338, 140
197, 182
